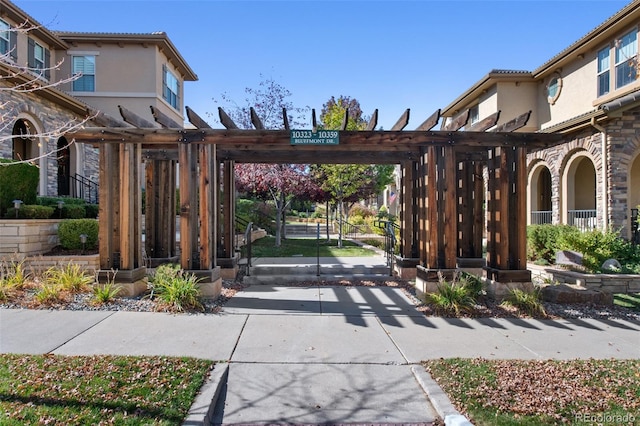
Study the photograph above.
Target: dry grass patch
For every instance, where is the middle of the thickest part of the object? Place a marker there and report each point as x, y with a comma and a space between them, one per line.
515, 392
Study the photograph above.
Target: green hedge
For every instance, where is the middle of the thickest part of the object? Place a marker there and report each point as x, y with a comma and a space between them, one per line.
30, 211
17, 182
543, 241
70, 230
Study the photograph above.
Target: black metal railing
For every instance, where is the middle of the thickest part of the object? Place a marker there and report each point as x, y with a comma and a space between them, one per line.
247, 246
389, 228
635, 229
83, 187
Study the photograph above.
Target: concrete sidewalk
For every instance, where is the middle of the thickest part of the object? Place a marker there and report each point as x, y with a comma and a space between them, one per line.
319, 354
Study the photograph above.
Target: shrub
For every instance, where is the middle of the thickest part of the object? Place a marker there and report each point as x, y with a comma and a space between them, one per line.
17, 182
360, 210
70, 230
597, 246
91, 211
74, 211
12, 278
31, 211
543, 241
49, 293
453, 297
527, 302
175, 288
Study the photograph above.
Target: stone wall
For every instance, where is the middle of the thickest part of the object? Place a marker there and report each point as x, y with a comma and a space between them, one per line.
47, 119
605, 283
27, 237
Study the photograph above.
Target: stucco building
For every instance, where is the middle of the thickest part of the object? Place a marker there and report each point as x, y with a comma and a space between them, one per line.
54, 80
590, 93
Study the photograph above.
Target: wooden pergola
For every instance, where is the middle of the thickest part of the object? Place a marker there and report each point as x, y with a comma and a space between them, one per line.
441, 196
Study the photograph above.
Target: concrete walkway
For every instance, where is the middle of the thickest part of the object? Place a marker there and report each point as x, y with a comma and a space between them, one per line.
315, 354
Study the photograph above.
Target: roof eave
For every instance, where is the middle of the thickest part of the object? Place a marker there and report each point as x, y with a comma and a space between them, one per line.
159, 39
19, 16
482, 86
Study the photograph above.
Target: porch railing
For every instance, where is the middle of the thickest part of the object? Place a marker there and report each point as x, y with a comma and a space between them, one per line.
584, 220
85, 188
541, 217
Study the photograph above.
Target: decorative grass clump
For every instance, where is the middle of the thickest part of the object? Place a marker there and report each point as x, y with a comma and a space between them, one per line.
454, 297
527, 302
175, 288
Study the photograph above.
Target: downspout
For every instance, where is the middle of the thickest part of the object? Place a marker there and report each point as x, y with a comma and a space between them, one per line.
605, 168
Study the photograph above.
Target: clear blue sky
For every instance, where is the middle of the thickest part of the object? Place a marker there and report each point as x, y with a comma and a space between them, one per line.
389, 55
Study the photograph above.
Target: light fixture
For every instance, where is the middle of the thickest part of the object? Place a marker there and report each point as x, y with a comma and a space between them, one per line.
16, 206
83, 240
60, 205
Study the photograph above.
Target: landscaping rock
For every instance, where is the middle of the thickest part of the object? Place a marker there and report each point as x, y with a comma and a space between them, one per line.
569, 258
568, 293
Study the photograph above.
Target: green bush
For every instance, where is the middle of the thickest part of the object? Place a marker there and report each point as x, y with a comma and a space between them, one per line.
70, 230
455, 297
91, 211
177, 289
543, 241
528, 302
31, 211
74, 211
17, 182
53, 201
597, 246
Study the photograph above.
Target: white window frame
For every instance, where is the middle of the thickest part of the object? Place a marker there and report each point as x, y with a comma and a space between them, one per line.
170, 93
626, 60
474, 114
605, 72
84, 73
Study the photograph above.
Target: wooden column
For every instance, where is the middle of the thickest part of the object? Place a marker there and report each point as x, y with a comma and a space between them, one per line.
206, 206
109, 207
189, 252
470, 214
408, 210
506, 214
441, 203
160, 216
228, 209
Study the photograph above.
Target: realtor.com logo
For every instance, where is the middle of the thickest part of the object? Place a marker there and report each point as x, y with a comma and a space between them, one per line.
606, 418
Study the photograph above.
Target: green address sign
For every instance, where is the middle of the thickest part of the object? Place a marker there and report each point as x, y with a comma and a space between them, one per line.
321, 137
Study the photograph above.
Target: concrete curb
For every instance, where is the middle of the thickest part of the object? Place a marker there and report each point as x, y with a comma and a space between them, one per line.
201, 411
440, 401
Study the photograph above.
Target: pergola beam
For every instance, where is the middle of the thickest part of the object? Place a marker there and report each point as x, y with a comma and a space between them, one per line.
255, 120
486, 123
402, 121
226, 120
196, 120
373, 121
515, 124
134, 119
430, 122
163, 119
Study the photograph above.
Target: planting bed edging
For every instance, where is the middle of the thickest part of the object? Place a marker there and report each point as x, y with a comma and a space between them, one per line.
606, 283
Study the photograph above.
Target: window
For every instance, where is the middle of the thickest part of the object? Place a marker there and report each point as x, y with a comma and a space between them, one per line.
4, 38
170, 87
603, 71
7, 41
554, 87
626, 50
85, 66
474, 114
39, 58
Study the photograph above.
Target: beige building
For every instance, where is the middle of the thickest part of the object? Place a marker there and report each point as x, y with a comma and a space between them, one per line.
589, 92
64, 75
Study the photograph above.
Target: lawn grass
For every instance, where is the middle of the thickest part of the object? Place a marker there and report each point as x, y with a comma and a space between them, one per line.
306, 247
51, 389
517, 392
630, 301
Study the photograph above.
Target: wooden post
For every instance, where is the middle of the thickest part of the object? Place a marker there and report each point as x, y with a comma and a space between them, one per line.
506, 228
186, 225
228, 209
207, 234
109, 205
126, 227
447, 222
407, 212
160, 216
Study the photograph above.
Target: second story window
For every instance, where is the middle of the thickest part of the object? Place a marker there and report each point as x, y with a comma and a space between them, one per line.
7, 41
85, 66
474, 114
603, 71
170, 87
39, 58
626, 50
